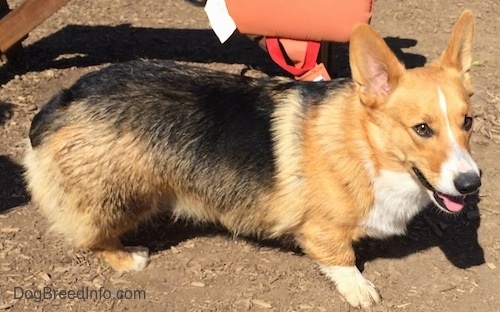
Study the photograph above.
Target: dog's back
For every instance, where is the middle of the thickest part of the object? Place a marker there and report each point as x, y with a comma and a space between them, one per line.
134, 138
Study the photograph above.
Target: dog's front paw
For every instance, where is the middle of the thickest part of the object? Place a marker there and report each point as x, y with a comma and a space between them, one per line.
352, 285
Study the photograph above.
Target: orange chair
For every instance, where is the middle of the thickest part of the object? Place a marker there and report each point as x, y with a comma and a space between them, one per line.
296, 27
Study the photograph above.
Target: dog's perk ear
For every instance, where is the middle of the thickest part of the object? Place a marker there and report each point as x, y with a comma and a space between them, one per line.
375, 68
458, 54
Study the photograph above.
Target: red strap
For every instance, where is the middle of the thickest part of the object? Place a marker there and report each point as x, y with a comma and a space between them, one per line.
274, 49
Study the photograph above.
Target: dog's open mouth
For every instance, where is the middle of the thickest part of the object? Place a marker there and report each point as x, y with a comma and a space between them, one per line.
444, 201
451, 203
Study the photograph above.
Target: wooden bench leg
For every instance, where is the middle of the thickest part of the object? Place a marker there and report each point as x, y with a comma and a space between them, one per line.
5, 56
327, 56
16, 24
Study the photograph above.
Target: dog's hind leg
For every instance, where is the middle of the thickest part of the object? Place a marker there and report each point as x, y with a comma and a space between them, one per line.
121, 258
92, 229
98, 228
88, 210
86, 226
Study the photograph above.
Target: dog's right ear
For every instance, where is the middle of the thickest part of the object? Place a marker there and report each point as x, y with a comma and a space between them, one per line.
375, 69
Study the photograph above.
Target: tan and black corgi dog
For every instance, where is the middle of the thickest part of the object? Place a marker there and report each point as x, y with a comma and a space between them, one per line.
326, 163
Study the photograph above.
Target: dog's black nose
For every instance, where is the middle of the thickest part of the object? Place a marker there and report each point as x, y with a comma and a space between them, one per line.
468, 182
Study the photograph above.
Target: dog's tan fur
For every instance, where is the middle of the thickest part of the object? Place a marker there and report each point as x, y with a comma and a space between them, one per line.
337, 160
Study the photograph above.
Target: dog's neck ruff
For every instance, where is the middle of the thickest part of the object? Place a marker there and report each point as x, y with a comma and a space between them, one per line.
398, 198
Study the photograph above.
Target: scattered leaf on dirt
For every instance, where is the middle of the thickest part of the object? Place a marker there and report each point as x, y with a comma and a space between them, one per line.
491, 265
197, 284
261, 303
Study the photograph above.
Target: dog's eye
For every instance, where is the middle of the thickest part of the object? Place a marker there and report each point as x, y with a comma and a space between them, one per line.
467, 123
423, 130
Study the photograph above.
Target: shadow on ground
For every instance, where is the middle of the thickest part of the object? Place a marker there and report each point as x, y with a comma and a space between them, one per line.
12, 188
397, 45
455, 235
6, 110
81, 46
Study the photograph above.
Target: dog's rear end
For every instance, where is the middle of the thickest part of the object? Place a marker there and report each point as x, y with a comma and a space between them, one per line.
76, 174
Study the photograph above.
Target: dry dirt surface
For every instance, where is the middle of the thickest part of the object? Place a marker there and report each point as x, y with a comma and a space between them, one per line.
443, 264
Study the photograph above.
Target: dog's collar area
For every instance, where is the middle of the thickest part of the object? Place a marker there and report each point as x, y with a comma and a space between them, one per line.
423, 180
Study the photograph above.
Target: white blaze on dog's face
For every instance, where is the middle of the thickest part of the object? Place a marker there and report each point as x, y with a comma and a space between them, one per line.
459, 173
421, 118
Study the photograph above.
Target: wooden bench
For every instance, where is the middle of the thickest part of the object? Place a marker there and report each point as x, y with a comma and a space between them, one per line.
16, 24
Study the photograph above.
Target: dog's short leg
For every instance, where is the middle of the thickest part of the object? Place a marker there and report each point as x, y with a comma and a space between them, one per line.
332, 249
122, 259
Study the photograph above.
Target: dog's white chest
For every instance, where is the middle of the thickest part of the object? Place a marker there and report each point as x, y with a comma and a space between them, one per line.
398, 198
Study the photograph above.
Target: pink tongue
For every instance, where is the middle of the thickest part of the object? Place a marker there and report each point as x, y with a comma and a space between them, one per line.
452, 203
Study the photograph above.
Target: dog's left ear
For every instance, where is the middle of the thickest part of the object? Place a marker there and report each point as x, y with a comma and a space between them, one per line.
375, 68
458, 54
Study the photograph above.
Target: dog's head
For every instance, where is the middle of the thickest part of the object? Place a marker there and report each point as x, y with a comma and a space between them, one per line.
421, 118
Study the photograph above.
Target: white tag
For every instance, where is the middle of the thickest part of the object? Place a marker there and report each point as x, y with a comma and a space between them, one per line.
319, 78
222, 23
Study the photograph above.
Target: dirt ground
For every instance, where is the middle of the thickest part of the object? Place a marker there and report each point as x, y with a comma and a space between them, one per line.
443, 264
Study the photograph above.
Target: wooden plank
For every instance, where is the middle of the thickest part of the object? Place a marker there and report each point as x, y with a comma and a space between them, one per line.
20, 21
